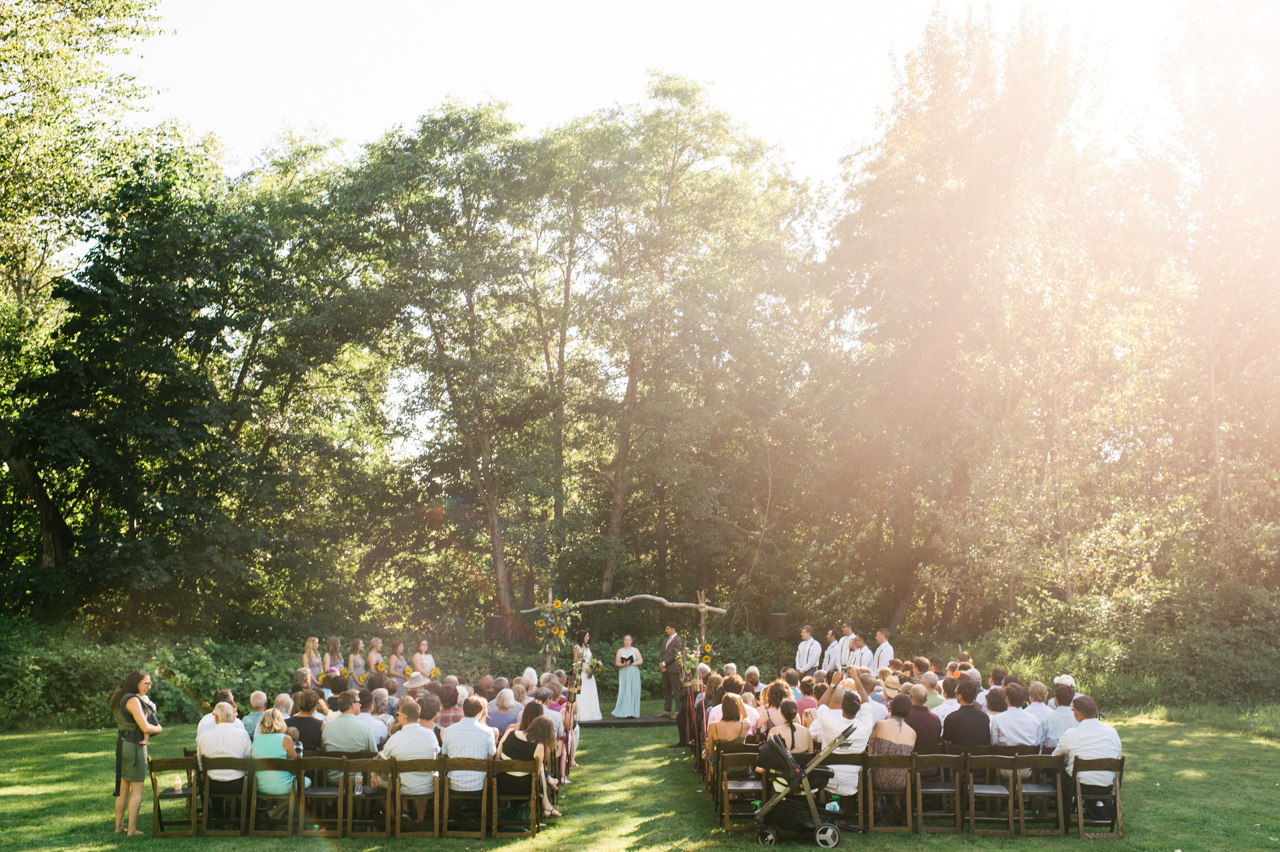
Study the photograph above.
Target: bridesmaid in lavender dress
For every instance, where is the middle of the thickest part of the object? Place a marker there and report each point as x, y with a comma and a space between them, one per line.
355, 664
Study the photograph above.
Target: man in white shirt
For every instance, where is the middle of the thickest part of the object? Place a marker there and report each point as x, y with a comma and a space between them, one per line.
375, 725
844, 654
808, 652
884, 651
949, 703
861, 655
1015, 726
412, 742
207, 721
831, 656
833, 722
997, 679
227, 738
472, 738
1090, 740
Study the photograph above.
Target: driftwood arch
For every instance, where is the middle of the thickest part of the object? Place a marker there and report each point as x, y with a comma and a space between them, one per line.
700, 605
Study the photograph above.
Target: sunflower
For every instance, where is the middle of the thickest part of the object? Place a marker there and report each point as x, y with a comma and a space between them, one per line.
363, 678
707, 647
706, 658
382, 667
344, 672
542, 622
435, 674
558, 604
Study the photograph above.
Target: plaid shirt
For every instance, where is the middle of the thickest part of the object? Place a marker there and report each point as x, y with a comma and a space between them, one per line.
468, 738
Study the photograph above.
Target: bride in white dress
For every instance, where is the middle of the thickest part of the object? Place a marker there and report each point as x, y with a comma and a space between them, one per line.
588, 697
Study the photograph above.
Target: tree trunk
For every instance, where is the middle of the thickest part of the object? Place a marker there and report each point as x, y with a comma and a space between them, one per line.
621, 459
56, 538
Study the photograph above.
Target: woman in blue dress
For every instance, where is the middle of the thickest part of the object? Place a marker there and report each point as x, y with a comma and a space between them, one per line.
628, 661
271, 741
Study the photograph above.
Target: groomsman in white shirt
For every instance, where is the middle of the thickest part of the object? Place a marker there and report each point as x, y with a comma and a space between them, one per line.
831, 656
860, 654
808, 652
884, 651
844, 655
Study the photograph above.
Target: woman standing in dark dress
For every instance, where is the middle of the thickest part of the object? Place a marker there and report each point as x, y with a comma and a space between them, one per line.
135, 717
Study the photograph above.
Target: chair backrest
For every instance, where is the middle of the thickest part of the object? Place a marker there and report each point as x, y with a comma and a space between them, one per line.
983, 762
1098, 764
172, 764
1014, 750
421, 764
277, 764
949, 762
240, 764
330, 763
1038, 762
837, 759
519, 766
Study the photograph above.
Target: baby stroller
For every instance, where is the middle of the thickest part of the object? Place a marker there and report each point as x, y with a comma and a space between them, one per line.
793, 807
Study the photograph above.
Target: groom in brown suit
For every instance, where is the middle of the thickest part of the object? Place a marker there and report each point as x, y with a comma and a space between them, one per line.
671, 687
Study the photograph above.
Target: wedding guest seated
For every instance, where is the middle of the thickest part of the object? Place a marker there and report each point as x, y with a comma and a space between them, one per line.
842, 709
310, 726
893, 736
933, 691
227, 738
1015, 726
470, 738
794, 735
1090, 740
413, 741
207, 721
1061, 719
381, 706
730, 669
949, 702
732, 686
375, 725
874, 688
273, 741
732, 727
533, 738
284, 703
346, 734
807, 701
751, 681
257, 705
770, 714
967, 725
927, 726
502, 714
1037, 695
499, 684
450, 712
519, 692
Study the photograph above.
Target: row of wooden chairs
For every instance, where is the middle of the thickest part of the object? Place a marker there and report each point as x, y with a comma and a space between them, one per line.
944, 789
346, 808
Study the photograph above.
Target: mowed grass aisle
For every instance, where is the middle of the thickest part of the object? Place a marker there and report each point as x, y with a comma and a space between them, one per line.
1188, 788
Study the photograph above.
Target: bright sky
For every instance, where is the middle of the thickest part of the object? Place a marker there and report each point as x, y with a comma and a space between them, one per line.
808, 77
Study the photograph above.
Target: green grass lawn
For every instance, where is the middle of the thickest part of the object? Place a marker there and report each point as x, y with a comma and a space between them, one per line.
1186, 787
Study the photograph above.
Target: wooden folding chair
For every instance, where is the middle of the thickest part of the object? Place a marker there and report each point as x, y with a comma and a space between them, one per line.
274, 828
983, 771
906, 792
1043, 786
1114, 825
451, 799
938, 778
737, 793
424, 821
163, 771
234, 802
859, 808
320, 806
368, 807
528, 797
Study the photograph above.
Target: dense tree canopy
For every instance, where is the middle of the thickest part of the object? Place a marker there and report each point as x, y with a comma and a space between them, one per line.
473, 367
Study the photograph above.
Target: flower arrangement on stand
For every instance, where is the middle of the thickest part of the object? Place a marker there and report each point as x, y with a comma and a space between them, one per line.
691, 656
554, 622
